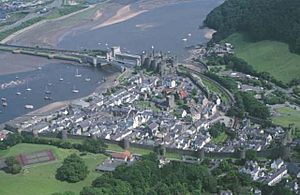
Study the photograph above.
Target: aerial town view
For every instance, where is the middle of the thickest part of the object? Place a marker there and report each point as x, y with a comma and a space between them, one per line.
154, 97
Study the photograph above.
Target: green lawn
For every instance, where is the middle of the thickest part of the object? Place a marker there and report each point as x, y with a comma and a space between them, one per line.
269, 56
40, 179
287, 116
215, 89
220, 139
146, 105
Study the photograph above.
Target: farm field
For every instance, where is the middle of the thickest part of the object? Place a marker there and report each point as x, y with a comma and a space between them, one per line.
267, 56
288, 116
40, 178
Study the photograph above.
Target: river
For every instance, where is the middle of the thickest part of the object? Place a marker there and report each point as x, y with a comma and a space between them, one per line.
170, 28
165, 28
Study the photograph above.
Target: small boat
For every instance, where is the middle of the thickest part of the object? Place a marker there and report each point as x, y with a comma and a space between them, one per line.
28, 88
47, 91
49, 84
61, 79
75, 90
47, 98
18, 93
190, 34
77, 73
17, 77
184, 39
87, 79
39, 68
28, 106
4, 104
3, 99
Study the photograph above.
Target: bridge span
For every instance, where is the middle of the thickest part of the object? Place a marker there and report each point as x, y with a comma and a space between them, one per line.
96, 58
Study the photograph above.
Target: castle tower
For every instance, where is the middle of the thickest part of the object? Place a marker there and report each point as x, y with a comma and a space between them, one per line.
64, 134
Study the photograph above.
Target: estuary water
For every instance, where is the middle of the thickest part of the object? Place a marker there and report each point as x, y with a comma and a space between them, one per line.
170, 28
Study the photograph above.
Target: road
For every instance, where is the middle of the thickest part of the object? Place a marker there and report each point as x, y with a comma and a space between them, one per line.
33, 14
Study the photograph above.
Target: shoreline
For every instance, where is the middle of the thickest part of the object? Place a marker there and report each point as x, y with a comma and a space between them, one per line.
97, 19
15, 34
59, 105
121, 14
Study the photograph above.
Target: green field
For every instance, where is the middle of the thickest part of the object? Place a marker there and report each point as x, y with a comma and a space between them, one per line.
40, 179
287, 116
220, 139
269, 56
212, 87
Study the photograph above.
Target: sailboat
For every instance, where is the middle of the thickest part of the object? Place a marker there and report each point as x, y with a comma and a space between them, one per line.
28, 88
47, 98
60, 78
4, 104
18, 92
47, 91
75, 90
77, 73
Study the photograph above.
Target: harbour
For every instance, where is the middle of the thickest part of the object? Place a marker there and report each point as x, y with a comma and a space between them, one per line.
169, 28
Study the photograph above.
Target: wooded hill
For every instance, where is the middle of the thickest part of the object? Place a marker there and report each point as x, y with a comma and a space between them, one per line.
261, 19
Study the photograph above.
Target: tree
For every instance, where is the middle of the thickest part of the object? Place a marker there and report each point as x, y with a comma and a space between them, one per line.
72, 170
12, 139
217, 129
259, 19
162, 189
91, 191
13, 166
93, 146
251, 155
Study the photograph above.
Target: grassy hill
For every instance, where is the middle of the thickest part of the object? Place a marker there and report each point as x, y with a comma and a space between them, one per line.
40, 179
269, 56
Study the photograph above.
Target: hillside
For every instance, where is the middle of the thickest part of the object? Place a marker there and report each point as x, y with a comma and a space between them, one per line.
265, 55
261, 19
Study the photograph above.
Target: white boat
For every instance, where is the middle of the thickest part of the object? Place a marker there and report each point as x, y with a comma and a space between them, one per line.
39, 68
28, 88
18, 93
75, 90
3, 99
17, 77
4, 104
47, 98
47, 91
28, 106
50, 84
87, 79
61, 79
184, 39
77, 73
190, 34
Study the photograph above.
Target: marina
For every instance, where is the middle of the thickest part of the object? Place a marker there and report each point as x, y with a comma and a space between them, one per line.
45, 86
